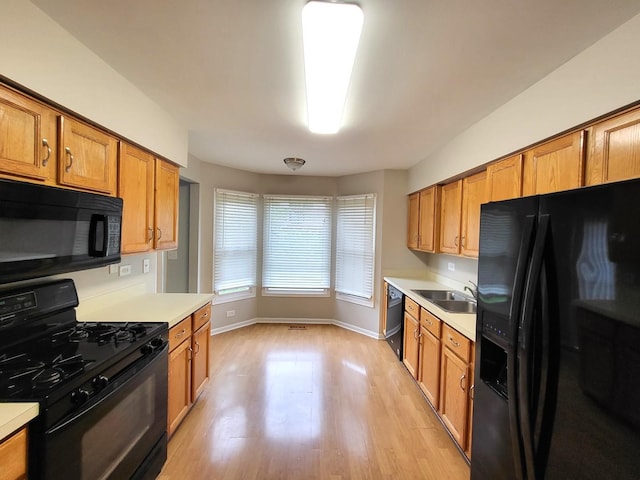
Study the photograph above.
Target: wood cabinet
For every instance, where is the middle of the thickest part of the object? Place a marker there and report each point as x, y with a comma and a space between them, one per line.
429, 357
136, 182
149, 189
450, 215
28, 139
87, 157
189, 344
167, 182
504, 179
614, 152
424, 220
554, 166
455, 383
413, 221
474, 194
13, 452
411, 337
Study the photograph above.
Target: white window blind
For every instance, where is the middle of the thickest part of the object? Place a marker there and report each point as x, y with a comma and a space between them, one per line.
355, 245
236, 241
297, 244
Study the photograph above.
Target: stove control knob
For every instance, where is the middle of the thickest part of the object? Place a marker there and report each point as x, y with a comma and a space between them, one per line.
80, 396
146, 349
157, 342
100, 382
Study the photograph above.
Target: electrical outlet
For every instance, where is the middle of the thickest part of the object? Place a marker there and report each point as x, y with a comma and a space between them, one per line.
451, 266
146, 265
231, 313
125, 270
113, 269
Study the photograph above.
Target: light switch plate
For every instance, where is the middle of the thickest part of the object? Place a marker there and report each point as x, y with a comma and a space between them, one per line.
146, 265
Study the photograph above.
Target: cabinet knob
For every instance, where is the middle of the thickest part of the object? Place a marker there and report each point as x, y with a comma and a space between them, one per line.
159, 233
461, 380
150, 234
45, 143
455, 241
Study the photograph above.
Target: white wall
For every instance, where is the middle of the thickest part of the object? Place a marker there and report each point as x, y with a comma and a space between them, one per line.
602, 78
39, 54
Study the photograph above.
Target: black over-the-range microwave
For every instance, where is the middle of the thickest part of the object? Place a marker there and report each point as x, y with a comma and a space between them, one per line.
47, 230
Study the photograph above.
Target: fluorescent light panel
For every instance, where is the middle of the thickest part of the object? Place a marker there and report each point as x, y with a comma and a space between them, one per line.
331, 32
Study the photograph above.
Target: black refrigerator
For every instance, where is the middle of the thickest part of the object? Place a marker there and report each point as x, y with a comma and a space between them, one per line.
557, 380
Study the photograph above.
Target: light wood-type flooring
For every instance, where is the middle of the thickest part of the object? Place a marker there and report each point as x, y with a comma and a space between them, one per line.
314, 403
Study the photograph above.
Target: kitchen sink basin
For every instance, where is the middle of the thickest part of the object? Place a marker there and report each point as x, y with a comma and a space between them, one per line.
456, 306
432, 295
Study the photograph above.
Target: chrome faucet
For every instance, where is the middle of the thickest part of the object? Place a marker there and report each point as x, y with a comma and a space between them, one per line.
472, 290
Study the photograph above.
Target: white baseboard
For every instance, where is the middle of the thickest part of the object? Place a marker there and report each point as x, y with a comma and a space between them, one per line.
301, 321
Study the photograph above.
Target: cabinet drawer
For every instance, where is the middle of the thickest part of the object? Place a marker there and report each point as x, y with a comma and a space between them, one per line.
201, 316
411, 307
179, 333
430, 322
13, 452
456, 342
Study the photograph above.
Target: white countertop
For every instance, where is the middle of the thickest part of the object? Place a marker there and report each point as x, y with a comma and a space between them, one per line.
14, 416
465, 323
147, 307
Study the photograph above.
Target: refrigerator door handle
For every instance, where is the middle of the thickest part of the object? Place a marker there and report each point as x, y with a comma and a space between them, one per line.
525, 345
514, 321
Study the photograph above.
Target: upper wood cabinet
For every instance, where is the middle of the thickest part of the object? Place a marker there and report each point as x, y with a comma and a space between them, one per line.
136, 188
474, 194
554, 166
423, 224
166, 205
504, 179
450, 213
87, 157
614, 154
429, 220
28, 138
413, 220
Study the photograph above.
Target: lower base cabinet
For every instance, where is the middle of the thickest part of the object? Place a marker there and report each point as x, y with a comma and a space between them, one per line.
13, 456
189, 343
441, 360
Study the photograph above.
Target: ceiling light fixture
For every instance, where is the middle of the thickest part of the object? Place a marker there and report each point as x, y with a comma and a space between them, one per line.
330, 34
294, 163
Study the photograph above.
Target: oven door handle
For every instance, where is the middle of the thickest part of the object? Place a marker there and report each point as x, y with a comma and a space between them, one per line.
121, 380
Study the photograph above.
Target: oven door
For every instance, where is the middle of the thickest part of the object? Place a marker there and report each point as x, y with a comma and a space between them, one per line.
119, 435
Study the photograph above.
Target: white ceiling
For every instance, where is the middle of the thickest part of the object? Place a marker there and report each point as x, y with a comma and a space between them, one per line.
232, 71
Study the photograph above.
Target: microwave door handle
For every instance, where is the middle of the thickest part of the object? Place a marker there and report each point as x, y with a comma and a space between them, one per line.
526, 344
514, 319
94, 237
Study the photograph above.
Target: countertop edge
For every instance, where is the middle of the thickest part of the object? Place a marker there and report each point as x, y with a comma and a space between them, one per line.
465, 323
14, 416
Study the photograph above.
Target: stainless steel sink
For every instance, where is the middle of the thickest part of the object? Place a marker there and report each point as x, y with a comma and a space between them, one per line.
432, 295
456, 306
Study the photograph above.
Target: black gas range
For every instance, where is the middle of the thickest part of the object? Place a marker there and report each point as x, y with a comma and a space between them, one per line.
98, 385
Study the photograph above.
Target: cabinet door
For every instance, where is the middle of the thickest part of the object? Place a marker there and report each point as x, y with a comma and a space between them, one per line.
554, 166
454, 384
504, 179
413, 220
27, 138
179, 399
135, 187
200, 363
474, 194
166, 205
429, 224
615, 149
429, 372
13, 452
87, 157
451, 208
411, 339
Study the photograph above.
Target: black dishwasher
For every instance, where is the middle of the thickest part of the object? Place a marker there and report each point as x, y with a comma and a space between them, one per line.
395, 316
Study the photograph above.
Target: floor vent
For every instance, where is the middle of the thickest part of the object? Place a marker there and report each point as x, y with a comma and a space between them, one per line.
297, 327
